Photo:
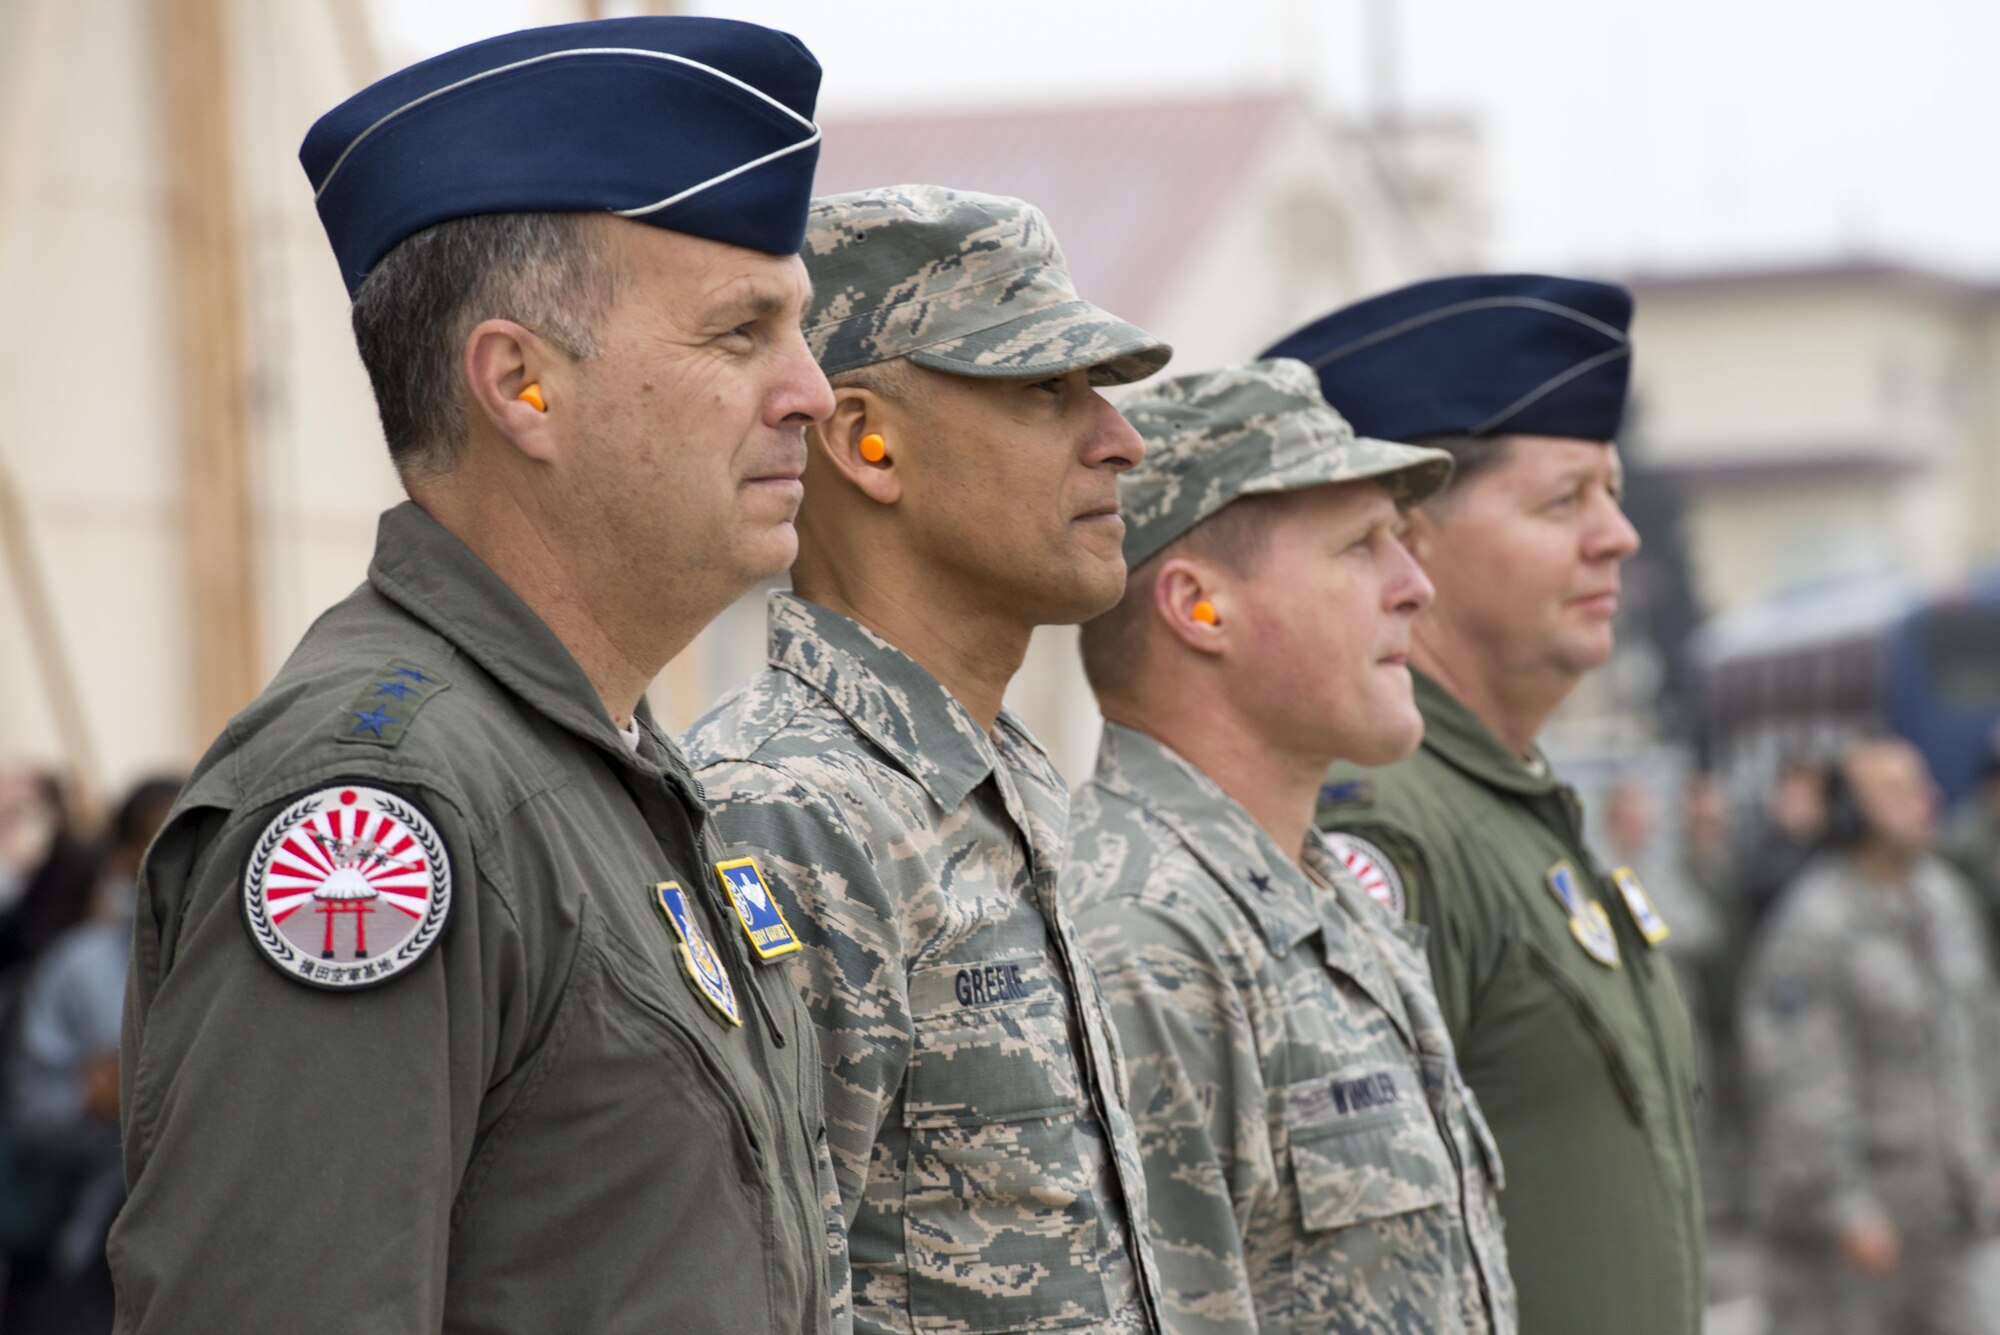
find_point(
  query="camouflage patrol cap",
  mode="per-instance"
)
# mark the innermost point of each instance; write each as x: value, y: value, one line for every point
x: 1250, y: 430
x: 959, y: 282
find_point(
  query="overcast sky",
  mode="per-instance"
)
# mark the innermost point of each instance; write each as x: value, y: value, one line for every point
x: 1617, y: 133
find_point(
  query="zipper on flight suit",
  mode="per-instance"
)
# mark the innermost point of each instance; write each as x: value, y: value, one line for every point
x: 1621, y: 1075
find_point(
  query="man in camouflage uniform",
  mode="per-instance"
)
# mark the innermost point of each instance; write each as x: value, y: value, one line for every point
x: 1313, y: 1160
x: 1868, y: 1045
x: 903, y: 825
x: 1566, y: 1019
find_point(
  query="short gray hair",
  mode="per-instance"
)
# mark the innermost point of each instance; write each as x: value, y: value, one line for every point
x: 548, y: 271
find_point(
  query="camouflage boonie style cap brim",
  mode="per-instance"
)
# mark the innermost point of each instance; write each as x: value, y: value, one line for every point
x: 1250, y: 430
x: 958, y: 282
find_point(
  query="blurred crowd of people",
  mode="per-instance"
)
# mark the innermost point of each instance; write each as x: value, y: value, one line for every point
x: 1833, y: 937
x: 66, y: 895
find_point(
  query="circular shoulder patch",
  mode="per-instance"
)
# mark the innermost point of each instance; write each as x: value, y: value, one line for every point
x: 1372, y: 868
x: 347, y: 887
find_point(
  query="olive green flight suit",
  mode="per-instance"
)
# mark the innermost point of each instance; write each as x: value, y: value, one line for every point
x: 540, y: 1126
x: 1583, y: 1065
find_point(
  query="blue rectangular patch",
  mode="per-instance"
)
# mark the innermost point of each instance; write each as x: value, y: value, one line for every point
x: 757, y: 909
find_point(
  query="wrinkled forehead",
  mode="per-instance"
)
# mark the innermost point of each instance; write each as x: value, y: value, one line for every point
x: 691, y: 273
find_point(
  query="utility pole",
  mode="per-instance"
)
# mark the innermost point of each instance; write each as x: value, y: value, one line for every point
x: 218, y: 504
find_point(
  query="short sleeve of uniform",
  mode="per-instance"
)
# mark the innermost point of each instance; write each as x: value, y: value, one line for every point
x: 293, y: 1153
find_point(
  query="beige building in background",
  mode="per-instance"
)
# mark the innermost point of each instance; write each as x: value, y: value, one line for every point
x: 1217, y: 223
x: 1824, y: 422
x: 91, y: 372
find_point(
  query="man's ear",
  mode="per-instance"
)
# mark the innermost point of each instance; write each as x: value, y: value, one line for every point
x: 503, y: 358
x: 1193, y: 604
x: 858, y: 415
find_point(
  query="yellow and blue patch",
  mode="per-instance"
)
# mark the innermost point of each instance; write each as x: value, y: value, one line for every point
x: 704, y: 967
x: 1639, y: 904
x: 1588, y: 922
x: 757, y: 909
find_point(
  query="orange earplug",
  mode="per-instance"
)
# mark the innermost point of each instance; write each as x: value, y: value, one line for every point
x: 1203, y: 611
x: 532, y: 396
x: 873, y: 448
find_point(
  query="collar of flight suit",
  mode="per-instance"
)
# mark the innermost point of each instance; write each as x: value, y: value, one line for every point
x: 1454, y: 733
x: 1227, y: 840
x: 889, y: 698
x: 424, y: 568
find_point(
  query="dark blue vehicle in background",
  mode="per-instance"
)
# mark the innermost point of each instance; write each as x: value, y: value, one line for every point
x: 1803, y: 669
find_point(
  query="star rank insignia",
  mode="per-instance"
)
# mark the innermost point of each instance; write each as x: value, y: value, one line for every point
x: 388, y: 704
x: 347, y: 887
x: 704, y: 967
x: 757, y: 909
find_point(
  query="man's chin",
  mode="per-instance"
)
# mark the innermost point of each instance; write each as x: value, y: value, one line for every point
x: 769, y: 551
x: 1584, y: 651
x: 1094, y: 586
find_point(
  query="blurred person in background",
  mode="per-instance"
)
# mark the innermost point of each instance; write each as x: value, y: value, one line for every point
x: 45, y: 865
x: 62, y: 1073
x: 1708, y: 869
x: 1870, y: 1069
x: 1972, y: 834
x: 1568, y: 1025
x: 1788, y: 833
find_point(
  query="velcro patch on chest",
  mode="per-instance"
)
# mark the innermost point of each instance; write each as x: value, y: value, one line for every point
x: 1347, y: 1093
x: 705, y: 970
x: 1645, y: 915
x: 770, y: 935
x: 985, y: 985
x: 1588, y: 922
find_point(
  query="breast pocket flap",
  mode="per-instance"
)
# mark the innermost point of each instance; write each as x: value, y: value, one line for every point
x: 1364, y: 1147
x: 992, y: 1044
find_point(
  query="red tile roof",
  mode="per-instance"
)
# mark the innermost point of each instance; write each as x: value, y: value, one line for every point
x: 1129, y: 188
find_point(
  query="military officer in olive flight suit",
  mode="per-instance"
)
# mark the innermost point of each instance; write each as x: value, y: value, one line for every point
x: 438, y: 1018
x: 1567, y: 1019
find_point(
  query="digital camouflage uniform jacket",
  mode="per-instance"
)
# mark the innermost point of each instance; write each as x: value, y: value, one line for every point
x: 542, y: 1125
x: 987, y: 1167
x: 1868, y: 1042
x: 1567, y: 1021
x: 1313, y: 1161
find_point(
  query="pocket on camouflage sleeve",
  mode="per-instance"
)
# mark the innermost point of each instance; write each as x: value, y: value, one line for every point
x: 999, y: 1214
x: 1375, y: 1183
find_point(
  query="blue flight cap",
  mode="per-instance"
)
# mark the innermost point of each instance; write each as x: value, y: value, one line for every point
x: 1477, y: 355
x: 697, y: 125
